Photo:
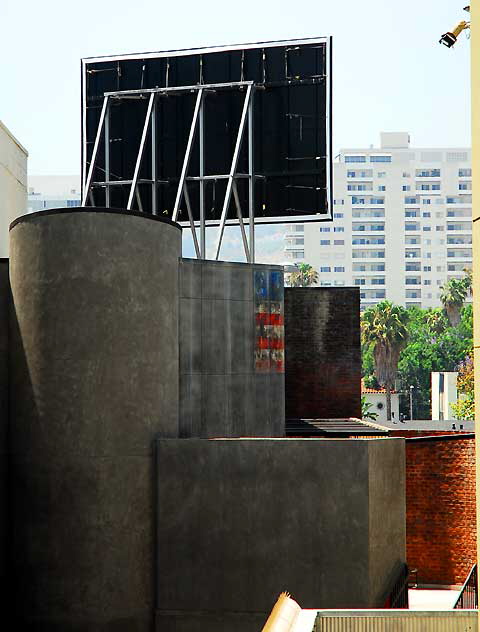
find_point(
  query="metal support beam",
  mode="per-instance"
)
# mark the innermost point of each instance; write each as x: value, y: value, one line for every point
x: 119, y: 94
x: 107, y: 156
x: 192, y: 223
x: 86, y: 191
x: 154, y: 158
x: 251, y: 181
x: 139, y: 200
x: 188, y: 153
x: 240, y: 221
x: 233, y: 168
x: 203, y: 252
x: 140, y: 152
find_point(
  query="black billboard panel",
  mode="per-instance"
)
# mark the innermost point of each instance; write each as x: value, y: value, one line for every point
x: 268, y: 105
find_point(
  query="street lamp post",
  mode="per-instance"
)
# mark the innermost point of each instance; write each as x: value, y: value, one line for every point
x: 411, y: 402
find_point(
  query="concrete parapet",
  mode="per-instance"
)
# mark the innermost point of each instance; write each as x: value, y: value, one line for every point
x: 241, y: 520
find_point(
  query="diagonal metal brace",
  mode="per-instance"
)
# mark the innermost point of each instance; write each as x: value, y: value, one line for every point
x: 88, y: 183
x: 233, y: 169
x: 188, y: 154
x: 140, y: 152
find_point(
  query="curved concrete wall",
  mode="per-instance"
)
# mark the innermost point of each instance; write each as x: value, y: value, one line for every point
x: 94, y: 377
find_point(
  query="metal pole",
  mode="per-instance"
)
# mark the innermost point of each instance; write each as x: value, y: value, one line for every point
x: 240, y: 221
x: 233, y: 168
x: 188, y: 153
x: 475, y: 109
x: 154, y: 159
x: 251, y: 180
x: 88, y: 183
x: 107, y: 156
x: 140, y: 152
x: 202, y: 181
x: 411, y: 403
x: 192, y: 223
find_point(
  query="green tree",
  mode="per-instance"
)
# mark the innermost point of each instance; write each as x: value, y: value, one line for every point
x: 305, y: 276
x: 453, y: 295
x: 432, y: 346
x: 385, y: 329
x: 367, y: 413
x: 465, y: 406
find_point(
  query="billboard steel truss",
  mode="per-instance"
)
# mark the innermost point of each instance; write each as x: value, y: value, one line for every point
x: 217, y: 141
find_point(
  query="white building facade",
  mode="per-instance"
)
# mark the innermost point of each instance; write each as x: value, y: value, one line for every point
x: 13, y: 183
x: 47, y: 192
x: 402, y: 223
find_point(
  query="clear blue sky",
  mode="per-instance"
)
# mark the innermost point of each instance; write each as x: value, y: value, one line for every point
x: 389, y: 71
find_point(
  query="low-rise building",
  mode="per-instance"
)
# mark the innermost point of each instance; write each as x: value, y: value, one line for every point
x: 13, y: 183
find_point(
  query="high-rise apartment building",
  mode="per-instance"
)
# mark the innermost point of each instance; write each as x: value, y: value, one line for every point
x: 402, y: 223
x: 47, y: 192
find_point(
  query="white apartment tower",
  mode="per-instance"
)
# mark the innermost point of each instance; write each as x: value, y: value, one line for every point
x: 402, y: 223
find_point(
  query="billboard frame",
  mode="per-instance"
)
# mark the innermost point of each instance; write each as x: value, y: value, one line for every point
x: 246, y: 125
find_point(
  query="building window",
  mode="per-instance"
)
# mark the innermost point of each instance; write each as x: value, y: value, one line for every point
x: 368, y: 241
x: 380, y: 159
x: 428, y: 173
x: 427, y: 268
x: 339, y: 202
x: 382, y: 174
x: 465, y: 186
x: 339, y: 229
x: 338, y: 242
x: 356, y: 158
x: 339, y: 269
x: 325, y: 269
x: 338, y: 216
x: 464, y: 173
x: 427, y: 282
x: 405, y: 174
x: 426, y: 201
x: 324, y: 242
x: 427, y: 229
x: 406, y: 187
x: 411, y: 200
x: 427, y: 214
x: 439, y: 229
x: 324, y: 229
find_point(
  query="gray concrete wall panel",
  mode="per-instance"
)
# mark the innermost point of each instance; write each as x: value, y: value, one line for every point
x: 217, y: 342
x: 387, y: 541
x: 268, y: 515
x: 94, y: 378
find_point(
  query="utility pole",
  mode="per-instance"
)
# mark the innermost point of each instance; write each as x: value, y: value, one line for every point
x: 475, y: 84
x: 449, y: 40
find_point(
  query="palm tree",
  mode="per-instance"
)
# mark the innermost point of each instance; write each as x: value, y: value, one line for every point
x: 454, y: 293
x: 436, y: 321
x: 304, y: 276
x: 384, y: 327
x: 468, y: 280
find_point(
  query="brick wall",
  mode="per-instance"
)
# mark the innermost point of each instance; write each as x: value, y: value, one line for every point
x: 441, y: 522
x: 322, y: 352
